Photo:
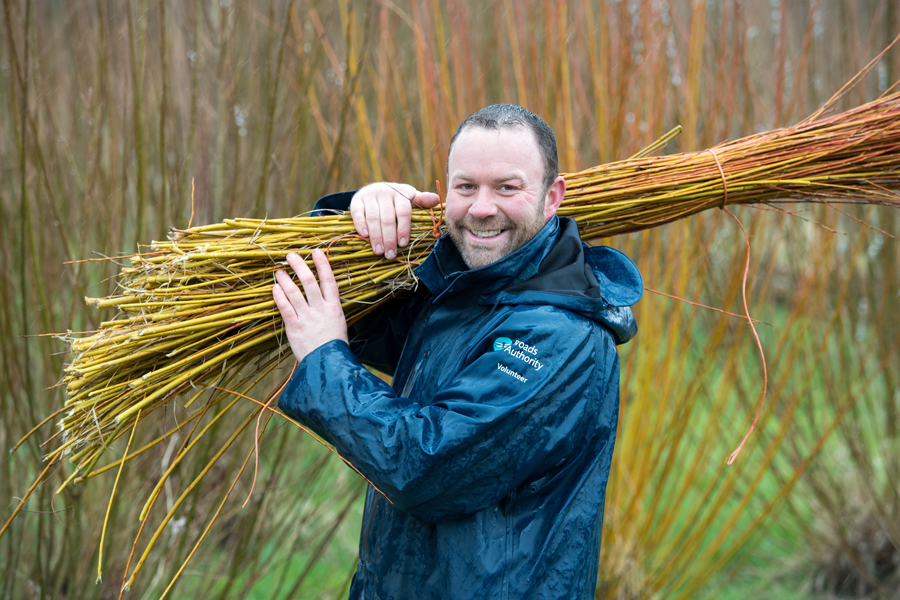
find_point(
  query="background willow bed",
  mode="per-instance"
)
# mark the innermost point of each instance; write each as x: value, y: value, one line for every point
x: 112, y: 108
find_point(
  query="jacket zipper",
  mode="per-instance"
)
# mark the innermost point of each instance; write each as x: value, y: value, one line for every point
x: 407, y: 387
x: 440, y: 268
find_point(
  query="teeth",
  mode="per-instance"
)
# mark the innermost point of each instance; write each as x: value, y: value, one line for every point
x: 487, y: 234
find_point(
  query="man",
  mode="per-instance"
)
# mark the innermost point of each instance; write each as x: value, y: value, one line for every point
x: 491, y: 450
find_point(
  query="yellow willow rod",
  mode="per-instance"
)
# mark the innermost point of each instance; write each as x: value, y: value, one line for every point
x: 77, y: 417
x: 99, y: 365
x: 336, y: 220
x: 243, y: 276
x: 105, y: 341
x: 81, y: 396
x: 90, y: 462
x: 637, y: 195
x: 586, y: 197
x: 206, y: 280
x: 184, y: 495
x: 183, y: 305
x: 216, y: 398
x: 114, y: 324
x: 311, y: 228
x: 152, y: 375
x: 210, y: 523
x: 125, y: 354
x: 217, y: 297
x: 704, y: 160
x: 264, y: 289
x: 219, y: 316
x: 330, y: 220
x: 288, y: 242
x: 185, y: 348
x: 119, y: 370
x: 101, y: 343
x: 212, y: 328
x: 97, y: 395
x: 186, y: 376
x: 176, y: 460
x: 140, y: 451
x: 139, y: 264
x: 93, y: 416
x: 178, y: 273
x: 110, y: 504
x: 282, y: 254
x: 185, y: 311
x: 699, y: 192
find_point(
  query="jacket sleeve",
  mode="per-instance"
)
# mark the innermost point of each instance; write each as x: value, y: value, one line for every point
x: 486, y: 429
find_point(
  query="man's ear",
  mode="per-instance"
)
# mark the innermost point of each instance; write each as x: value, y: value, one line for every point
x: 555, y: 196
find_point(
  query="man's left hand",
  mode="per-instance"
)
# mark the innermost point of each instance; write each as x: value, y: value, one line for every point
x: 312, y: 317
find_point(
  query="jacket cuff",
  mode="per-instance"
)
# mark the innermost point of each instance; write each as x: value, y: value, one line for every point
x: 337, y: 201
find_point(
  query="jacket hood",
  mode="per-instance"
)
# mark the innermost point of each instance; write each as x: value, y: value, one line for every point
x: 556, y: 268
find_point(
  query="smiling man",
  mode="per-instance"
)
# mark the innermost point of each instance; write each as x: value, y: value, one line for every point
x: 490, y: 453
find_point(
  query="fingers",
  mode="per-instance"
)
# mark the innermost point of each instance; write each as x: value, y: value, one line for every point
x: 358, y: 213
x: 314, y: 316
x: 382, y: 212
x: 327, y: 282
x: 288, y: 299
x: 310, y: 286
x: 403, y: 210
x: 373, y: 222
x: 314, y: 292
x: 388, y: 217
x: 284, y: 305
x: 426, y: 199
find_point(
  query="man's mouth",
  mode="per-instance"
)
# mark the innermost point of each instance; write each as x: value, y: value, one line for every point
x: 487, y: 234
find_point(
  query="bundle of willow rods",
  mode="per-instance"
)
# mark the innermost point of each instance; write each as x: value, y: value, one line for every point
x: 196, y: 312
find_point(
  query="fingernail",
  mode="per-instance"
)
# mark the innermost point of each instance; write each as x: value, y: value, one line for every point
x: 391, y: 254
x: 378, y: 249
x: 365, y: 232
x: 279, y: 272
x: 402, y: 241
x: 290, y: 254
x: 317, y: 252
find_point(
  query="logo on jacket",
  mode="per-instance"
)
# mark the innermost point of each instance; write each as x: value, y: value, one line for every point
x: 519, y: 349
x: 502, y: 343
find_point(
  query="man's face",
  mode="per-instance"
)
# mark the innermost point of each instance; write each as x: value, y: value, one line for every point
x: 495, y: 198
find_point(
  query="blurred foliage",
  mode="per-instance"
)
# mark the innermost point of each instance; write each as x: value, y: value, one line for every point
x: 109, y: 109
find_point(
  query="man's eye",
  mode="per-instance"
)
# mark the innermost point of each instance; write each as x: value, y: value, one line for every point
x: 466, y: 186
x: 508, y: 188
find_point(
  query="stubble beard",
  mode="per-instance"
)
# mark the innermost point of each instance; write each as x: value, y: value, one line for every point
x: 476, y: 256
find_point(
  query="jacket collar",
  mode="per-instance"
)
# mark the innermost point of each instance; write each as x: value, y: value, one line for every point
x: 444, y: 269
x: 554, y: 268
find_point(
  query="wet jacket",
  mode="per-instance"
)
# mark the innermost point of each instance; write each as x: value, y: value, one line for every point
x: 492, y: 448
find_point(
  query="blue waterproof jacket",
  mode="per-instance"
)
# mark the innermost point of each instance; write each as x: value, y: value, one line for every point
x: 492, y: 448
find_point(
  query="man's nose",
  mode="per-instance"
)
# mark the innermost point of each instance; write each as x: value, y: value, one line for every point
x: 484, y: 205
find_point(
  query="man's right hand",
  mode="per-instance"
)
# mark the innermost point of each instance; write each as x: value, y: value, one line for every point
x: 382, y: 212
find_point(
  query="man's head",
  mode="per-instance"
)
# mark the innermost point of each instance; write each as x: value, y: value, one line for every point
x: 503, y: 182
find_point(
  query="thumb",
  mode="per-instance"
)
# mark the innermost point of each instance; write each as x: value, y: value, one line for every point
x: 426, y: 199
